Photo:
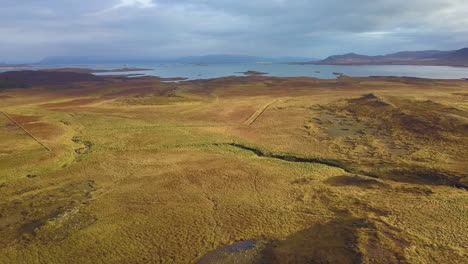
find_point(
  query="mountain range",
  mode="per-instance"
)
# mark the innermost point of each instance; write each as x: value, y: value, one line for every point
x: 206, y: 59
x: 426, y: 57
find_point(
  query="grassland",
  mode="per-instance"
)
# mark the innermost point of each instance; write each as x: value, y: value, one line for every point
x: 352, y: 170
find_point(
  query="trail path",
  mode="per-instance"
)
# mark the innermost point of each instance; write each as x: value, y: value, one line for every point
x: 258, y: 113
x: 27, y: 132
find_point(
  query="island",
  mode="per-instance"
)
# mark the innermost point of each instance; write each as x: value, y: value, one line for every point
x: 253, y: 73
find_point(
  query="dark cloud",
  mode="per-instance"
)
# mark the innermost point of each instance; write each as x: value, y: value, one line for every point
x: 32, y: 29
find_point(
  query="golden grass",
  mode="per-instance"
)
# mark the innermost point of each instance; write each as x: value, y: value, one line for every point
x: 137, y: 176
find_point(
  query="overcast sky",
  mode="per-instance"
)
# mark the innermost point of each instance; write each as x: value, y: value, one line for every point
x: 33, y: 29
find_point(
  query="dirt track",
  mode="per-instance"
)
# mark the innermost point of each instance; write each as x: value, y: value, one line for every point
x: 27, y: 132
x: 258, y: 113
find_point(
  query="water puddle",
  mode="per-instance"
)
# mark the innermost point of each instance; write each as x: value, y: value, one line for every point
x: 242, y: 252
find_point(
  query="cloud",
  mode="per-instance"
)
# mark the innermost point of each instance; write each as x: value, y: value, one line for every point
x: 125, y: 4
x: 33, y: 29
x: 134, y: 3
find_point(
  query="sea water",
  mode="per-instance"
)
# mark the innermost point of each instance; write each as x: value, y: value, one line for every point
x: 197, y: 71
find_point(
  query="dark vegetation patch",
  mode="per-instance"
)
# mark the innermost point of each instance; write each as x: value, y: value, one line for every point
x: 406, y: 80
x: 347, y: 240
x: 355, y: 180
x: 373, y: 133
x: 289, y: 158
x: 302, y: 181
x: 211, y: 85
x: 161, y: 95
x: 332, y: 242
x: 370, y: 100
x: 64, y: 224
x: 5, y: 84
x: 416, y: 190
x: 424, y: 175
x: 420, y: 118
x: 27, y: 79
x: 26, y: 216
x: 85, y: 143
x: 344, y: 240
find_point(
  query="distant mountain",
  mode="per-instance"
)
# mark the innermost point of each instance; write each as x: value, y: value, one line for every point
x: 418, y: 54
x: 426, y: 57
x: 207, y: 59
x: 217, y: 59
x: 68, y: 60
x: 3, y: 64
x: 461, y: 54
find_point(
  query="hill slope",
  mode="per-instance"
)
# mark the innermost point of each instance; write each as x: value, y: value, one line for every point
x: 426, y: 57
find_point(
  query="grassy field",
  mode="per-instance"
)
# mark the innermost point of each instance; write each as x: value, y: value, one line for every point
x: 303, y: 170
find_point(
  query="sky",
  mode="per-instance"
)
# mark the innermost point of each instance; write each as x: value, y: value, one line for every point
x: 33, y: 29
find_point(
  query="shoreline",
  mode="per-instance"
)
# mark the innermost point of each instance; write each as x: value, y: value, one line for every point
x: 320, y: 71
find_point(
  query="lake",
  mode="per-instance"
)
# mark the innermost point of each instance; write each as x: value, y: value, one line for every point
x: 193, y: 71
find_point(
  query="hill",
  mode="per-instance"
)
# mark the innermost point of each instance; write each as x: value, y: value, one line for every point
x: 426, y: 57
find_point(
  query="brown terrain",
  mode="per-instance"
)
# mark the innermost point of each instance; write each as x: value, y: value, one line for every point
x: 250, y: 169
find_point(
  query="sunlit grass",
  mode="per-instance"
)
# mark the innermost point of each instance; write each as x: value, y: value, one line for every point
x: 167, y: 179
